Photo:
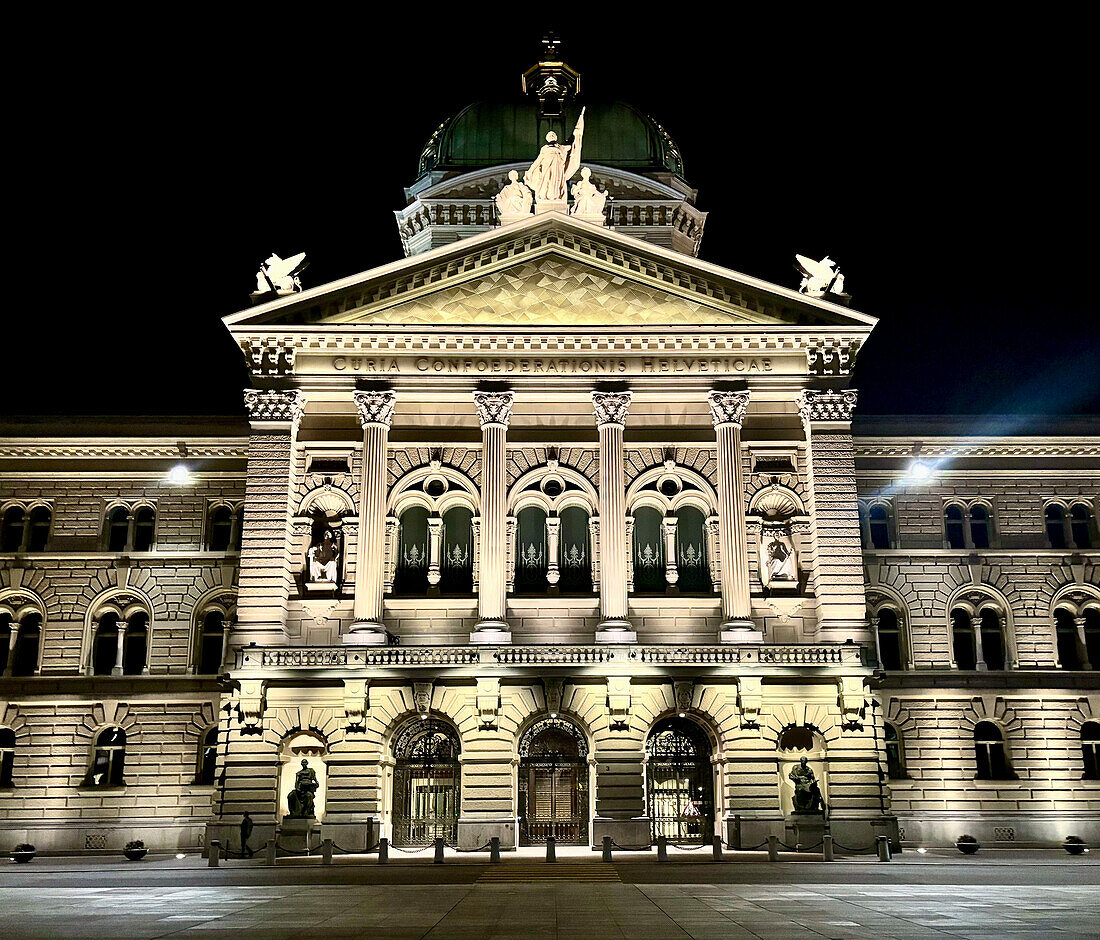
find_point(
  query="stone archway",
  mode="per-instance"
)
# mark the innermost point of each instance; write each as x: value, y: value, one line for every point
x: 426, y: 783
x: 680, y: 781
x: 553, y: 783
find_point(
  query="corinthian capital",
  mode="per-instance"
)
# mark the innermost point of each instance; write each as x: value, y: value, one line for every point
x: 493, y: 407
x: 827, y: 406
x: 611, y: 407
x: 728, y: 407
x: 273, y: 405
x: 375, y: 407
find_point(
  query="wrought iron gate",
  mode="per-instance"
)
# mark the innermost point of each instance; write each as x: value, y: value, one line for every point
x: 426, y: 784
x: 679, y: 782
x: 553, y: 783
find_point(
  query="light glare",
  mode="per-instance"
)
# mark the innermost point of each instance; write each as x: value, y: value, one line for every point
x: 179, y: 475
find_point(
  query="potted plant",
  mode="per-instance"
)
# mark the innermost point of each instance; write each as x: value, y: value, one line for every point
x: 967, y: 844
x: 1075, y: 846
x: 135, y: 850
x: 23, y: 852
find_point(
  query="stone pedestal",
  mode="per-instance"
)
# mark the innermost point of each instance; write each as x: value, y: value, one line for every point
x: 352, y: 836
x: 805, y: 829
x: 298, y: 835
x: 551, y: 205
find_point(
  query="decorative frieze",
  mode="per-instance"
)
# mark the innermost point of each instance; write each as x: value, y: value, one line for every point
x: 817, y: 405
x: 274, y: 404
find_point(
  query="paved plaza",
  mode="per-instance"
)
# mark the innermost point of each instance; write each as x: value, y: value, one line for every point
x: 1043, y: 894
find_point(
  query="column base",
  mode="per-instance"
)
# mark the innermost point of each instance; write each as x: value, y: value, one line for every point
x: 368, y: 633
x: 616, y: 631
x: 740, y: 631
x: 491, y: 633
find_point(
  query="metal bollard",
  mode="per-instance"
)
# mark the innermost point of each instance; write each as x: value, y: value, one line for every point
x: 773, y: 849
x: 662, y: 848
x: 717, y: 847
x: 438, y: 860
x: 883, y: 848
x: 607, y: 848
x: 736, y: 840
x: 494, y: 850
x: 270, y: 850
x: 383, y: 851
x: 827, y: 848
x: 215, y: 854
x: 326, y: 851
x: 551, y: 849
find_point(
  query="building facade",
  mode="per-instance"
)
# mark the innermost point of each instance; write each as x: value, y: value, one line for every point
x: 548, y: 528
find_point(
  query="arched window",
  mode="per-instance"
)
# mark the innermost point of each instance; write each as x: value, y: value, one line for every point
x: 878, y: 524
x: 411, y: 571
x: 7, y: 756
x: 890, y: 645
x: 105, y: 644
x: 135, y: 645
x: 989, y: 749
x: 1090, y: 749
x: 208, y: 758
x: 1065, y: 631
x: 145, y: 521
x: 895, y: 757
x: 980, y: 523
x: 208, y: 661
x: 118, y: 529
x: 219, y: 535
x: 38, y: 533
x: 649, y: 551
x: 1055, y: 517
x: 691, y: 552
x: 575, y: 552
x: 24, y: 660
x: 532, y: 556
x: 1092, y: 636
x: 108, y: 759
x: 993, y: 644
x: 1080, y: 523
x: 962, y: 638
x: 11, y: 534
x: 954, y: 527
x: 135, y: 648
x: 456, y: 574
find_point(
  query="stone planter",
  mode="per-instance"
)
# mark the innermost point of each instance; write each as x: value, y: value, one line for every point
x: 135, y: 855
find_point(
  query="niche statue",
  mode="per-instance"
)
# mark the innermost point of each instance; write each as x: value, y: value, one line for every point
x: 807, y: 794
x: 324, y: 557
x: 300, y: 800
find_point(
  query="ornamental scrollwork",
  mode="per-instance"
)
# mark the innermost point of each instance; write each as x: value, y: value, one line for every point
x: 494, y: 407
x: 273, y: 405
x: 375, y: 407
x: 816, y: 405
x: 728, y: 407
x: 611, y: 407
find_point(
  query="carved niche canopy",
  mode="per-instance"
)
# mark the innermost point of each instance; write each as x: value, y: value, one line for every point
x: 375, y: 407
x: 816, y: 405
x: 611, y: 407
x: 494, y: 407
x: 728, y: 407
x: 273, y: 405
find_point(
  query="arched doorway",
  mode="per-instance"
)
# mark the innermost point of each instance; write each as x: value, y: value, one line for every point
x: 426, y: 783
x: 553, y: 783
x: 680, y: 781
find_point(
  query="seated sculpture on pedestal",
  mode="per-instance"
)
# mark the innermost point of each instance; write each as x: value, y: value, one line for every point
x: 300, y: 800
x: 324, y: 558
x: 807, y: 795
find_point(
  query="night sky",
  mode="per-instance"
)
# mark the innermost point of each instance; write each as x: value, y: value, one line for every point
x: 943, y: 164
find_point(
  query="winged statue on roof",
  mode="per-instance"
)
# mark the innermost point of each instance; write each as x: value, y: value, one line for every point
x: 819, y: 277
x: 279, y: 276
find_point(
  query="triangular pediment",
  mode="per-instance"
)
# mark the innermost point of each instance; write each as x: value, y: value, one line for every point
x: 549, y: 272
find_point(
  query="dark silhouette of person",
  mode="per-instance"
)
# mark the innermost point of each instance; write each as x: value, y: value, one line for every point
x: 246, y: 834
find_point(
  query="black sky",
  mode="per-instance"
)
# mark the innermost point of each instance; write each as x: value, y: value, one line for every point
x: 945, y: 164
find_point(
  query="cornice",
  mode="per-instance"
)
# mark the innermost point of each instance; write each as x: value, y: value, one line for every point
x: 902, y: 447
x: 38, y: 448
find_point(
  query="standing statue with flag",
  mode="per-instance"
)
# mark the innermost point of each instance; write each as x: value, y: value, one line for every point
x: 555, y: 166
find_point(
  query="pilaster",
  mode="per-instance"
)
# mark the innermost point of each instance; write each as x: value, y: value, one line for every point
x: 494, y: 411
x: 610, y: 410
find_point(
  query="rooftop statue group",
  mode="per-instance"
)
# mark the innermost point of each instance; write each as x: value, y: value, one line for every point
x: 544, y: 186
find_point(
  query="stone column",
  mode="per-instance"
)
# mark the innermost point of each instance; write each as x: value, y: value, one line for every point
x: 116, y: 670
x: 376, y: 415
x: 836, y: 577
x: 1082, y: 642
x: 267, y: 538
x: 553, y: 538
x: 227, y: 629
x: 494, y: 411
x: 714, y: 556
x: 727, y: 409
x: 435, y: 546
x: 610, y: 409
x: 672, y: 571
x: 13, y: 629
x: 979, y: 650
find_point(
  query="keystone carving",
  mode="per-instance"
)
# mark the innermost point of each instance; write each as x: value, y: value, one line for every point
x: 488, y: 703
x: 356, y: 703
x: 618, y: 701
x: 273, y: 405
x: 728, y: 407
x: 851, y: 700
x: 251, y: 704
x: 749, y: 700
x: 375, y: 407
x: 611, y: 407
x: 816, y: 405
x: 553, y: 690
x: 422, y: 697
x: 685, y: 690
x: 494, y: 407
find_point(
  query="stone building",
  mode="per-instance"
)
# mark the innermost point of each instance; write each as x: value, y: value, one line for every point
x: 549, y: 528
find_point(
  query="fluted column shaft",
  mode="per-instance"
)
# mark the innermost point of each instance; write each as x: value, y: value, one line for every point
x: 376, y: 415
x: 728, y: 411
x: 494, y: 412
x: 610, y: 409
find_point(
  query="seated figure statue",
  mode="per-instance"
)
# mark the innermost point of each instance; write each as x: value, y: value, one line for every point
x: 324, y: 558
x: 300, y: 800
x: 807, y: 794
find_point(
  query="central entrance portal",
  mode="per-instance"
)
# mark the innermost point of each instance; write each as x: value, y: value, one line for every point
x: 680, y: 782
x: 553, y: 783
x: 426, y: 783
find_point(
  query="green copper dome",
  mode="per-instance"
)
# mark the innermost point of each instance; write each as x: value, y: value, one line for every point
x: 489, y: 133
